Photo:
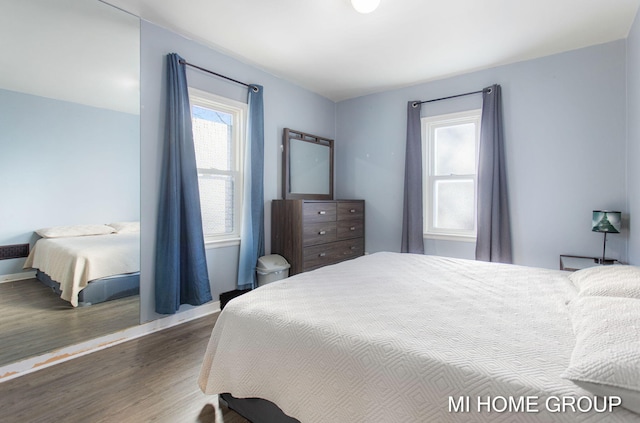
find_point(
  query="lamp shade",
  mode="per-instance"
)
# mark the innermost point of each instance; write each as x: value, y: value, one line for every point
x: 365, y: 6
x: 606, y: 221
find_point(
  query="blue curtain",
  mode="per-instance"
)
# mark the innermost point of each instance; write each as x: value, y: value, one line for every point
x: 181, y: 274
x: 412, y: 217
x: 252, y: 239
x: 493, y: 242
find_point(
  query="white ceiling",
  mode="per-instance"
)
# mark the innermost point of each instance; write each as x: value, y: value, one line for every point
x: 80, y: 51
x: 88, y: 52
x: 329, y: 48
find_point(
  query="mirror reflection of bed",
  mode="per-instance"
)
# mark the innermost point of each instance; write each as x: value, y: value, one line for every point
x: 69, y: 136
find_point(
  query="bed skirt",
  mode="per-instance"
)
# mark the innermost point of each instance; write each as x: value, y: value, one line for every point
x: 100, y: 290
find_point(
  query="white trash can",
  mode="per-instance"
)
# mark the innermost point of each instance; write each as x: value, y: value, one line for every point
x: 272, y: 268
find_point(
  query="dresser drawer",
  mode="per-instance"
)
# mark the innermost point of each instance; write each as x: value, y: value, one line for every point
x: 319, y: 233
x: 318, y: 212
x: 350, y: 229
x: 349, y: 249
x: 333, y: 252
x: 350, y: 210
x: 318, y: 256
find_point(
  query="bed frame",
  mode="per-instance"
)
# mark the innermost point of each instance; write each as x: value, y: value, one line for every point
x: 257, y: 410
x: 100, y: 290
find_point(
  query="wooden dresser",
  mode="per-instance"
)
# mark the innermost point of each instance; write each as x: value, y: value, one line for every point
x: 314, y: 233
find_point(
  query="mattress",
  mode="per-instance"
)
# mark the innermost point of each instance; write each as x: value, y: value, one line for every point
x: 74, y: 261
x: 394, y: 337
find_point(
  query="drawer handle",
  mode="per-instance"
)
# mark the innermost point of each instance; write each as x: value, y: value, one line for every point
x: 353, y: 228
x: 322, y: 233
x: 322, y: 212
x: 352, y: 211
x: 322, y: 254
x: 353, y: 247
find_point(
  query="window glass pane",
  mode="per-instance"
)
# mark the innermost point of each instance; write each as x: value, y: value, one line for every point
x: 454, y: 150
x: 212, y: 138
x: 454, y: 204
x: 216, y: 203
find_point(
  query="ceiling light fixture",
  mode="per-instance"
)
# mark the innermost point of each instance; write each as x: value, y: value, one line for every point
x: 365, y: 6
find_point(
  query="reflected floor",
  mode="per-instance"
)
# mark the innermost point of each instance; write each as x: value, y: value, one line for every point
x: 34, y: 320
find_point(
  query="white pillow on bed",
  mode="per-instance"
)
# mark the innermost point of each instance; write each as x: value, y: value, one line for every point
x: 608, y: 281
x: 606, y: 357
x: 125, y: 227
x: 74, y: 230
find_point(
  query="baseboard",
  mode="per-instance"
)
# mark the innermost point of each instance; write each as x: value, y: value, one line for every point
x: 18, y: 276
x: 32, y: 364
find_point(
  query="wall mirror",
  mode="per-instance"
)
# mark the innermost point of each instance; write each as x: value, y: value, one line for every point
x: 69, y: 155
x: 307, y: 166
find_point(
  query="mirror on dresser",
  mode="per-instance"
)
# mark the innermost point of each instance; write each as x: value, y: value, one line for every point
x: 69, y: 155
x: 307, y: 166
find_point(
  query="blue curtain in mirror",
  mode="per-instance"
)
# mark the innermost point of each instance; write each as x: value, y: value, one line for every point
x: 181, y: 274
x: 252, y: 239
x: 412, y: 219
x: 493, y: 242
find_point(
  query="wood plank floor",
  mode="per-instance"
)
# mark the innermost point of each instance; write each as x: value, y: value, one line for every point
x: 153, y: 378
x: 34, y: 320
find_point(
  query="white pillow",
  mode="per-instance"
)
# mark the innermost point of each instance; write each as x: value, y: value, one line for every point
x: 606, y: 357
x: 74, y: 230
x: 608, y: 281
x: 125, y: 227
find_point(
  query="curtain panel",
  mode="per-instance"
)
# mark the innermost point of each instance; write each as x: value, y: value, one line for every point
x: 493, y: 241
x: 252, y: 238
x: 412, y: 220
x: 181, y: 275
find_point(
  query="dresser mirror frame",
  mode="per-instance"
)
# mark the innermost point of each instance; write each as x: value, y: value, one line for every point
x: 289, y: 138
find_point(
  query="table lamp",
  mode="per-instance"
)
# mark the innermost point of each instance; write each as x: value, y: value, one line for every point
x: 606, y: 221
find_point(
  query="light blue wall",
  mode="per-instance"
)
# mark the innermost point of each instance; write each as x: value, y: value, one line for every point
x: 565, y: 148
x: 633, y: 135
x: 63, y: 163
x: 285, y: 105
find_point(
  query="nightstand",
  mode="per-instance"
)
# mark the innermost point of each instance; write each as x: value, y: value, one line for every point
x: 573, y: 263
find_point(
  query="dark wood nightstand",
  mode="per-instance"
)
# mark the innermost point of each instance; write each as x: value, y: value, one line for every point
x: 573, y: 263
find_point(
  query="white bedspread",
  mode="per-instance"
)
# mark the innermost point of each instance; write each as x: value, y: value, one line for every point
x: 75, y: 261
x: 390, y: 337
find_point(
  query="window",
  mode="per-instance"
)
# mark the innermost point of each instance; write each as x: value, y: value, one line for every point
x: 450, y: 146
x: 218, y: 134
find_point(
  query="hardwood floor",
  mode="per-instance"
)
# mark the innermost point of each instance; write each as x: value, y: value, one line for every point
x: 153, y: 378
x: 34, y: 320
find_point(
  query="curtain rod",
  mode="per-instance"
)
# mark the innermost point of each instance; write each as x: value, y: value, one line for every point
x: 415, y: 103
x: 253, y: 87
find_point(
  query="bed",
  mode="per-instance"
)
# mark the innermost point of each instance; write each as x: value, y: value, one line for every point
x: 394, y: 337
x: 90, y: 269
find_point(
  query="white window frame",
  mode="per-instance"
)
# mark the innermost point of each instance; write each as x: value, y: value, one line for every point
x: 238, y: 133
x: 429, y: 126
